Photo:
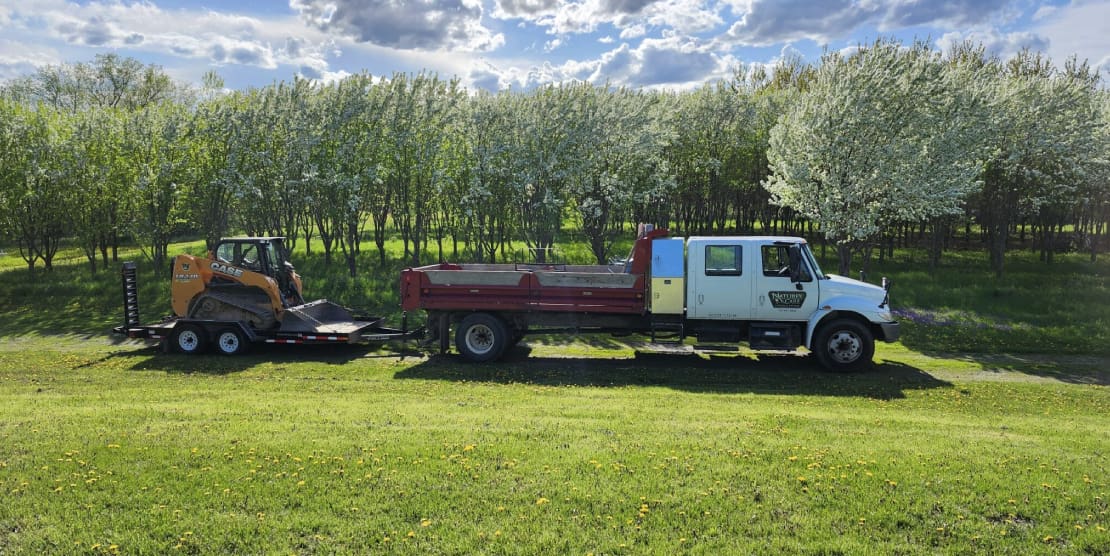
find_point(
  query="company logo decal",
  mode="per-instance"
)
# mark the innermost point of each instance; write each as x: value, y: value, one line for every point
x: 225, y: 269
x: 787, y: 300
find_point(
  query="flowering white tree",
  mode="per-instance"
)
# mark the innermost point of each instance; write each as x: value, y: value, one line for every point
x: 883, y: 135
x: 1045, y: 148
x: 618, y: 142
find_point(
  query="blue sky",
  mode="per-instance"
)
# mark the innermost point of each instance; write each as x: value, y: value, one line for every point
x: 494, y: 44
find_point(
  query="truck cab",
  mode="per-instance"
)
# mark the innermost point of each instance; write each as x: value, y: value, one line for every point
x: 772, y: 291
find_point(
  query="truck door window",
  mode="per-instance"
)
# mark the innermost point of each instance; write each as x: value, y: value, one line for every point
x: 722, y: 260
x: 776, y: 262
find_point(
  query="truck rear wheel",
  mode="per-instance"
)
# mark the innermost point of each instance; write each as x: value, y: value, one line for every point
x: 844, y: 345
x: 481, y: 337
x: 188, y: 339
x: 231, y: 342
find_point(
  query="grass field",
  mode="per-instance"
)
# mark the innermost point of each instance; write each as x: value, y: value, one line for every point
x: 572, y: 445
x: 108, y: 449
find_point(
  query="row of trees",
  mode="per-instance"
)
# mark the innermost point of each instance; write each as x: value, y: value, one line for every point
x: 860, y: 148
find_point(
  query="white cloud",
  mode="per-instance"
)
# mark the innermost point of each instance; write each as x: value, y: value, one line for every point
x: 630, y: 16
x: 1078, y: 28
x: 17, y: 59
x: 633, y: 31
x: 1003, y: 45
x: 1044, y: 12
x: 425, y: 25
x: 199, y: 34
x: 912, y: 13
x: 767, y: 22
x: 672, y: 62
x: 684, y: 16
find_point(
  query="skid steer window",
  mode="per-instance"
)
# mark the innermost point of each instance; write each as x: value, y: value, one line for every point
x: 249, y: 258
x: 226, y: 253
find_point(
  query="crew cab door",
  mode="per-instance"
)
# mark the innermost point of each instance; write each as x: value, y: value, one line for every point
x: 778, y: 297
x: 718, y: 281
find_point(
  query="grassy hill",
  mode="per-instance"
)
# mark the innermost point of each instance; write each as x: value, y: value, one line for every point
x: 983, y: 431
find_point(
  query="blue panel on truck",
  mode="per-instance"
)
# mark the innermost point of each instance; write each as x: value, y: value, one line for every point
x: 667, y: 260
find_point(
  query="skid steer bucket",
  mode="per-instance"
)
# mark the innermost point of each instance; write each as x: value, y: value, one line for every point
x: 323, y: 317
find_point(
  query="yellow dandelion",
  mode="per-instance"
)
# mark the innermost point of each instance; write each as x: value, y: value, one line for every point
x: 411, y: 534
x: 425, y: 522
x: 541, y: 501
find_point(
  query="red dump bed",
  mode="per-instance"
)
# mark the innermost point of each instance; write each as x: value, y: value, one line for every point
x: 532, y: 287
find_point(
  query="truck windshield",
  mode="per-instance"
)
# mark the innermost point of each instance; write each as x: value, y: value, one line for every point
x: 812, y: 262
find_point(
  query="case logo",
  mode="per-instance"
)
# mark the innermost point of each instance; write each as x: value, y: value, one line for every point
x: 787, y: 300
x: 225, y: 269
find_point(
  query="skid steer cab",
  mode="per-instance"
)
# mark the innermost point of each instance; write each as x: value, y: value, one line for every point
x: 243, y: 278
x: 245, y: 290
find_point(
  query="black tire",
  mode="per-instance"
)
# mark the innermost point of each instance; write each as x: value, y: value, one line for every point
x: 844, y: 345
x: 188, y: 339
x: 231, y: 341
x: 481, y: 337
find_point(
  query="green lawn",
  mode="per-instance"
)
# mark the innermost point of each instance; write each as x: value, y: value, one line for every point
x: 984, y: 431
x: 120, y: 448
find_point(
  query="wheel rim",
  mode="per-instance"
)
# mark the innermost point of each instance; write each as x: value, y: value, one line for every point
x: 845, y: 346
x: 188, y: 340
x: 229, y: 342
x: 479, y: 339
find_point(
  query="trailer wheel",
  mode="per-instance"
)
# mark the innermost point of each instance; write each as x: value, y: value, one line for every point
x: 844, y: 345
x: 188, y: 339
x: 231, y: 341
x: 481, y: 337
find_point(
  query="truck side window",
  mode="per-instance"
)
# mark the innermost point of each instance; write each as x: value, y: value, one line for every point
x: 722, y: 260
x: 776, y: 262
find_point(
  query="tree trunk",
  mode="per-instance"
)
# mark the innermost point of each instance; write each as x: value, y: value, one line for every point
x: 844, y: 258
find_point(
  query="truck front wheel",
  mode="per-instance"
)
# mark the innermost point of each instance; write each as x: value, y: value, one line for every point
x: 844, y: 345
x: 481, y: 337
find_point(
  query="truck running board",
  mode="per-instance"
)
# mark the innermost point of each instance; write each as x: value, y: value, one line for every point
x: 673, y: 331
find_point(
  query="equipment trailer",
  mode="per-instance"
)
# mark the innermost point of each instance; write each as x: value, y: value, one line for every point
x: 767, y: 291
x: 245, y: 292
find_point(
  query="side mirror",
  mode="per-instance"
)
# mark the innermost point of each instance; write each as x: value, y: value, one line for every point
x: 794, y: 252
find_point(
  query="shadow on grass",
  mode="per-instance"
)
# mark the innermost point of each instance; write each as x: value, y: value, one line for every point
x: 768, y: 374
x: 1071, y: 369
x: 152, y: 358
